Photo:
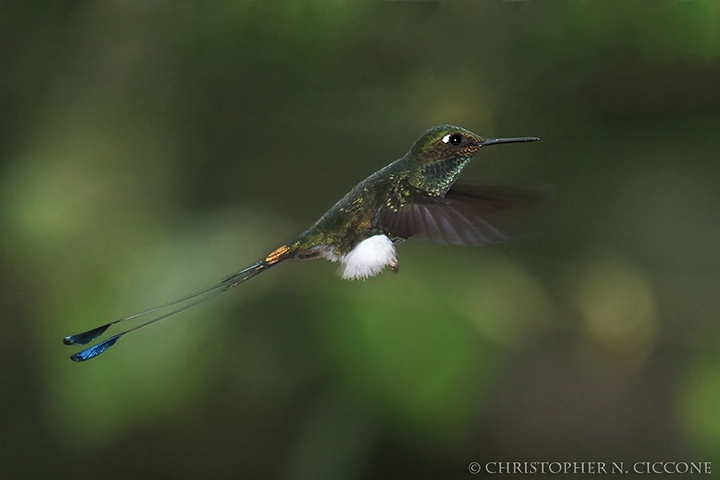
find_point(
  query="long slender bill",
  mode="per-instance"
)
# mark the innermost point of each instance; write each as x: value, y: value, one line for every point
x: 498, y: 141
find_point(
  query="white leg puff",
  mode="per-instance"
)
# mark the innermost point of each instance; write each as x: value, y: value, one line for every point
x: 369, y: 257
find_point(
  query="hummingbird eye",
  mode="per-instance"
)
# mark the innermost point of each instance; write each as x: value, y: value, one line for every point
x: 453, y: 139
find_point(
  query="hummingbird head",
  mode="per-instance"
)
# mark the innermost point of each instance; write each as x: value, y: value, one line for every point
x: 438, y: 157
x: 448, y: 142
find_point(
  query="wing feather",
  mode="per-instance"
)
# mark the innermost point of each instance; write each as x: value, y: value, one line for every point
x: 469, y: 214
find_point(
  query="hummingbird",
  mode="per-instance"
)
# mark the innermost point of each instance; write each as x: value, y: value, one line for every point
x: 415, y: 196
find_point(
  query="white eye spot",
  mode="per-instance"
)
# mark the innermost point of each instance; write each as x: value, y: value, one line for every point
x: 454, y: 139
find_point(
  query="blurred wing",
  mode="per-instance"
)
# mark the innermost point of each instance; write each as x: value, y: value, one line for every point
x: 469, y: 214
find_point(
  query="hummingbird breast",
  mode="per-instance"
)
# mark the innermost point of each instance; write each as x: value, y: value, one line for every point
x: 436, y: 178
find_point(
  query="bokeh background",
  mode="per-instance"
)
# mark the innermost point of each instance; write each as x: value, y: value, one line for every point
x: 148, y: 149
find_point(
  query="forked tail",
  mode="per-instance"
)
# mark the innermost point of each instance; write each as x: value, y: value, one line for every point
x: 185, y: 302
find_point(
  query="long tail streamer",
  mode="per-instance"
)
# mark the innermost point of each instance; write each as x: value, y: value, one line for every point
x: 197, y: 298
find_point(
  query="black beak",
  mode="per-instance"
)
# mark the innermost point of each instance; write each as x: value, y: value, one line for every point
x: 496, y: 141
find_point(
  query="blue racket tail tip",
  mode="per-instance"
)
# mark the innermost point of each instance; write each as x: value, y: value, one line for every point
x: 95, y: 350
x: 86, y: 337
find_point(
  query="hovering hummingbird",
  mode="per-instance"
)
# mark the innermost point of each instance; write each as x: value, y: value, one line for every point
x: 415, y: 196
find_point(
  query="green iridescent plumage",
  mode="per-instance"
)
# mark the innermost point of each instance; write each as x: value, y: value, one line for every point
x: 429, y: 169
x: 415, y: 196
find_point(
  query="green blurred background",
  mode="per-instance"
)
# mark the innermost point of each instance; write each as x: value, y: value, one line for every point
x: 148, y: 149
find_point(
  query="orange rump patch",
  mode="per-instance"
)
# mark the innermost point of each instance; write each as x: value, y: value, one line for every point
x: 277, y: 255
